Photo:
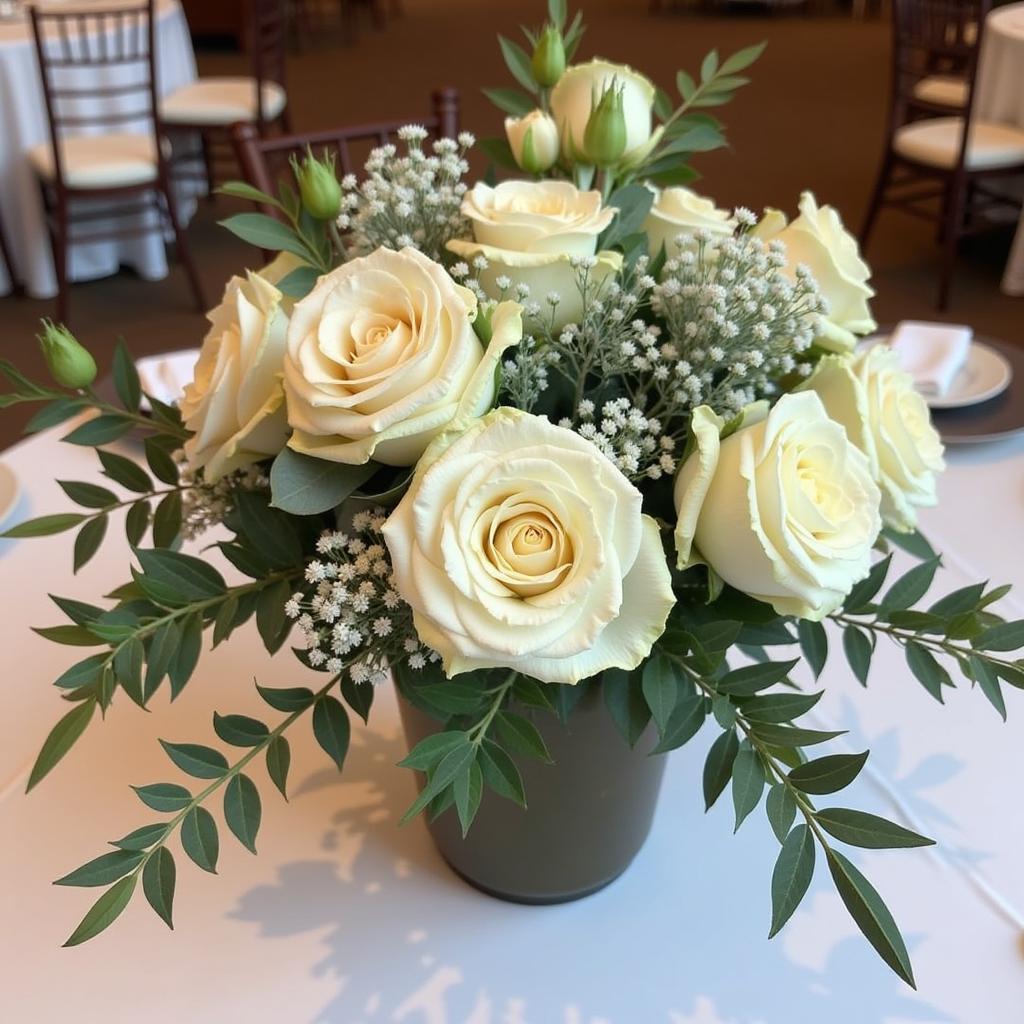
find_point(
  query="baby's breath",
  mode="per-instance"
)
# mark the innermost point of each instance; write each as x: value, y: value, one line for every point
x: 205, y: 505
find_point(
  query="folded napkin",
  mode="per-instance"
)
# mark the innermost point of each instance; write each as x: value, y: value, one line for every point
x: 931, y: 353
x: 164, y: 377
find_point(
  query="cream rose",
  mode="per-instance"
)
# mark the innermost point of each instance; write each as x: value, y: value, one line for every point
x: 888, y: 420
x: 678, y: 211
x: 784, y: 509
x: 533, y: 140
x: 519, y: 545
x: 582, y: 85
x: 234, y: 405
x: 530, y: 232
x: 382, y: 356
x: 818, y: 240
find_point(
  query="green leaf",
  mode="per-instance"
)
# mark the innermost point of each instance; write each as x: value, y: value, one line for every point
x: 45, y: 526
x: 304, y: 486
x: 510, y: 100
x: 780, y: 807
x: 724, y: 711
x: 60, y: 740
x: 911, y: 587
x: 1006, y: 636
x: 660, y: 688
x: 747, y: 783
x: 271, y: 621
x: 136, y: 522
x: 199, y: 838
x: 104, y: 911
x: 83, y: 673
x: 858, y: 650
x: 468, y: 789
x: 103, y: 870
x: 501, y: 773
x: 862, y: 593
x: 358, y: 696
x: 160, y: 462
x: 927, y: 670
x: 813, y: 643
x: 54, y: 413
x: 625, y: 703
x: 142, y: 838
x: 196, y: 760
x: 269, y: 530
x: 71, y: 636
x: 128, y: 669
x: 99, y: 430
x: 163, y: 649
x: 331, y: 728
x: 718, y: 766
x: 429, y: 751
x: 557, y: 13
x: 966, y: 599
x: 442, y: 776
x: 686, y: 85
x: 742, y: 59
x: 224, y: 623
x: 518, y: 63
x: 498, y: 151
x: 633, y: 203
x: 871, y: 914
x: 520, y: 735
x: 914, y: 543
x: 709, y: 66
x: 185, y: 578
x: 780, y: 707
x: 164, y: 796
x: 294, y: 698
x: 167, y: 520
x: 265, y: 233
x: 988, y: 683
x: 89, y: 539
x: 791, y: 736
x: 243, y: 190
x: 828, y: 774
x: 126, y: 379
x: 88, y: 495
x: 125, y: 472
x: 746, y: 681
x: 792, y: 875
x: 868, y: 830
x: 184, y: 664
x: 683, y: 724
x: 533, y: 694
x: 279, y: 759
x: 239, y: 730
x: 158, y: 883
x: 243, y: 810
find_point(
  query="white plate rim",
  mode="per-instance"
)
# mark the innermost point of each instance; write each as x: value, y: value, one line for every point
x: 10, y: 492
x: 987, y: 352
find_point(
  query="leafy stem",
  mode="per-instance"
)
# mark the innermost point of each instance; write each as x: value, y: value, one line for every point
x: 479, y: 731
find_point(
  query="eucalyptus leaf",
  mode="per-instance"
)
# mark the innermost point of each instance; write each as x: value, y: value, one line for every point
x: 104, y: 911
x: 243, y: 810
x: 305, y: 486
x: 331, y: 728
x: 792, y: 875
x: 158, y: 878
x: 858, y: 828
x: 718, y: 766
x: 199, y: 838
x: 827, y: 774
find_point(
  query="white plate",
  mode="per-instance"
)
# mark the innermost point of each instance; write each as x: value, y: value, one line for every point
x: 985, y: 374
x: 10, y: 492
x: 165, y: 376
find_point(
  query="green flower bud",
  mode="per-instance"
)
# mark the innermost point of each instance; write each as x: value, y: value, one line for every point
x: 70, y: 364
x: 604, y: 138
x: 549, y: 57
x: 318, y: 186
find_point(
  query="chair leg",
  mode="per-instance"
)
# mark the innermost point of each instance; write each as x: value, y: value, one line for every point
x: 59, y: 240
x: 7, y: 261
x: 954, y: 213
x: 181, y: 243
x: 208, y: 164
x: 877, y: 199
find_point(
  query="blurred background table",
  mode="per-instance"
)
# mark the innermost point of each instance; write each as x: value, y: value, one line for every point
x: 23, y: 124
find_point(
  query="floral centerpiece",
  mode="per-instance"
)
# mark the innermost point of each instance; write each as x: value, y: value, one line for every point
x: 579, y: 435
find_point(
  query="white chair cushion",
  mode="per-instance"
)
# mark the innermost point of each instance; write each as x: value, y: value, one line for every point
x: 936, y: 142
x: 99, y: 161
x: 942, y: 90
x: 220, y: 101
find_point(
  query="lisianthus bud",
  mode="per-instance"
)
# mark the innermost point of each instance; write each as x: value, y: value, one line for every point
x: 604, y: 138
x: 318, y: 186
x: 549, y: 57
x: 70, y: 364
x: 533, y: 140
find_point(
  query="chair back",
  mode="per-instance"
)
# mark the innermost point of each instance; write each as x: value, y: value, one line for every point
x: 268, y: 41
x: 98, y: 69
x: 264, y: 161
x: 934, y: 37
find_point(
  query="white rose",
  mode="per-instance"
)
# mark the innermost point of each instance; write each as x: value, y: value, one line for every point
x: 582, y: 85
x: 888, y: 420
x: 784, y: 509
x: 818, y: 240
x: 530, y: 232
x: 519, y: 545
x: 235, y: 403
x: 382, y: 356
x: 533, y: 140
x: 678, y: 211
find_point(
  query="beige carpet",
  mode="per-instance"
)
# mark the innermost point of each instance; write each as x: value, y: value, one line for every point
x: 813, y: 118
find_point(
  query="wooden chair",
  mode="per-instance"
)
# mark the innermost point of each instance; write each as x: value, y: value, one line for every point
x: 117, y: 173
x: 7, y: 260
x: 209, y: 107
x: 264, y: 161
x: 930, y: 152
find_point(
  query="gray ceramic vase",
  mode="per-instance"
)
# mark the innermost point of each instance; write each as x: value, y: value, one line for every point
x: 588, y: 816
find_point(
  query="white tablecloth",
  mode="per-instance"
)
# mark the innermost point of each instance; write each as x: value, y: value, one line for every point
x: 999, y: 97
x: 23, y: 124
x: 346, y: 917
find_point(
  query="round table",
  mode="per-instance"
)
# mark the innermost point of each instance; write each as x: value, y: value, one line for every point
x: 999, y: 97
x: 23, y: 124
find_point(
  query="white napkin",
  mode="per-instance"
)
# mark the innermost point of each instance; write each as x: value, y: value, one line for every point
x: 165, y: 377
x: 931, y: 353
